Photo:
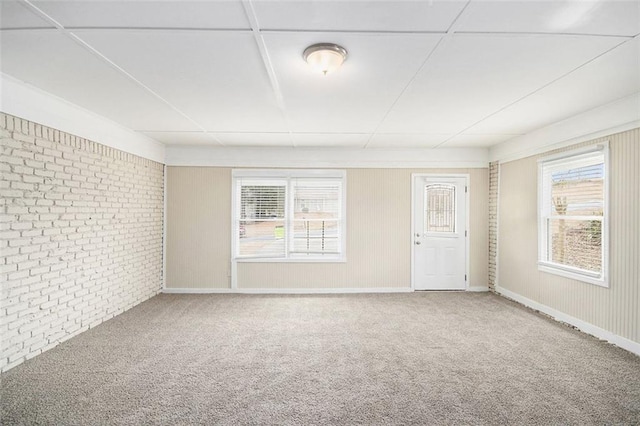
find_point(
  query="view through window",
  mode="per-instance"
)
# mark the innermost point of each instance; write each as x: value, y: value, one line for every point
x: 572, y: 213
x: 289, y: 217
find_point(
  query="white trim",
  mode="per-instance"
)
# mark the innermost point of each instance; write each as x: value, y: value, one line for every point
x: 30, y: 103
x: 583, y: 326
x: 467, y: 234
x: 313, y: 258
x: 207, y: 156
x: 478, y: 288
x: 467, y: 238
x: 350, y: 290
x: 413, y: 230
x: 597, y: 147
x: 567, y: 271
x: 190, y: 290
x: 234, y: 208
x: 164, y: 230
x: 615, y: 117
x: 287, y: 175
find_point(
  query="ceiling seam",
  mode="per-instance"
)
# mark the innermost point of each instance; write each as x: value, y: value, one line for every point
x: 28, y: 29
x: 440, y: 42
x: 287, y: 31
x: 393, y: 104
x: 356, y: 32
x: 535, y: 91
x: 167, y: 29
x: 539, y: 33
x: 95, y: 52
x: 266, y: 59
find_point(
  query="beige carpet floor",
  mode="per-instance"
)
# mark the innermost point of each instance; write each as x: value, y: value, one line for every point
x: 416, y: 358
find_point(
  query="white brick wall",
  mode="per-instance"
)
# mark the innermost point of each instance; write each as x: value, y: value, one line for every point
x: 494, y: 176
x: 80, y: 236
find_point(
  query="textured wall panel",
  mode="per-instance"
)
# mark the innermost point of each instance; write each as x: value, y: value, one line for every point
x: 615, y: 308
x: 378, y: 233
x: 198, y: 227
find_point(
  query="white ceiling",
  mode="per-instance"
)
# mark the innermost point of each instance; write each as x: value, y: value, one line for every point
x: 420, y: 74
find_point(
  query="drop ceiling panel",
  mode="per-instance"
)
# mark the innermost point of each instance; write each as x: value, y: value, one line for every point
x: 183, y: 138
x: 471, y: 77
x: 322, y: 15
x: 558, y: 16
x: 405, y: 140
x: 320, y: 140
x: 216, y: 78
x: 354, y: 98
x: 147, y: 14
x: 51, y: 61
x: 255, y: 139
x: 14, y: 14
x: 608, y: 78
x: 476, y: 140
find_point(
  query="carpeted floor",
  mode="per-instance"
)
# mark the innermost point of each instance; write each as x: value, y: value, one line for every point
x: 416, y: 358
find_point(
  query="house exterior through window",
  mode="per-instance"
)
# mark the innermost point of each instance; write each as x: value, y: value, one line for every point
x: 573, y: 222
x: 289, y: 215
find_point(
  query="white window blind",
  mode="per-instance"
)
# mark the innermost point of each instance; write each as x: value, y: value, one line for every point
x: 289, y: 217
x: 316, y: 216
x: 572, y: 214
x: 261, y: 225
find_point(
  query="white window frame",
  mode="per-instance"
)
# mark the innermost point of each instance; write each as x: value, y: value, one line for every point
x: 288, y: 175
x: 602, y: 278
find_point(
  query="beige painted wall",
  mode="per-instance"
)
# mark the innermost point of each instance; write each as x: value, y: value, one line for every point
x: 198, y: 227
x: 615, y: 309
x: 378, y: 231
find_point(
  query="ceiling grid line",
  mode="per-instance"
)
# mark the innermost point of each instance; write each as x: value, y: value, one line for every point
x: 266, y: 59
x: 535, y: 91
x: 443, y: 40
x: 435, y: 74
x: 355, y: 32
x: 95, y: 52
x: 324, y: 31
x: 538, y: 33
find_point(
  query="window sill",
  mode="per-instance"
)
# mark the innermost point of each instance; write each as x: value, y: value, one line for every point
x: 290, y: 260
x: 569, y: 272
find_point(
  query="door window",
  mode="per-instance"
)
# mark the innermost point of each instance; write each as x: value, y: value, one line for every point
x: 440, y: 208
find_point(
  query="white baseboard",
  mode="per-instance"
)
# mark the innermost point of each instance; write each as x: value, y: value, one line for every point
x: 192, y: 290
x: 285, y: 290
x: 299, y: 290
x: 584, y: 326
x: 478, y: 288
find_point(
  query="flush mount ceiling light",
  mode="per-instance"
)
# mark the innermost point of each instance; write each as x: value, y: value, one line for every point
x: 325, y: 57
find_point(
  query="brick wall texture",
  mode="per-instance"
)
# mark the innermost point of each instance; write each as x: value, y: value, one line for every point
x: 494, y: 176
x: 81, y: 231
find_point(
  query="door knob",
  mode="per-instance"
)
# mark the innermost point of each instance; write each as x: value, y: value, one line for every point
x: 417, y: 243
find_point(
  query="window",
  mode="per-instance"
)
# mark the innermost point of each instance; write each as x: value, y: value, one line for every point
x: 572, y: 216
x: 440, y: 208
x: 284, y: 215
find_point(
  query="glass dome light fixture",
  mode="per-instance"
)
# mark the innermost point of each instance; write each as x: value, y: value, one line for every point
x: 325, y: 57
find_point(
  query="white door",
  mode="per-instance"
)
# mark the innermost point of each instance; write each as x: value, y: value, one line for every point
x: 439, y: 233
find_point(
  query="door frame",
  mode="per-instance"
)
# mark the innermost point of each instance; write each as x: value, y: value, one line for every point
x: 416, y: 176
